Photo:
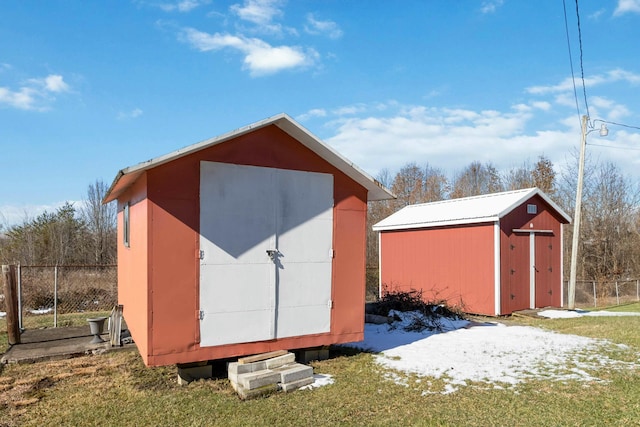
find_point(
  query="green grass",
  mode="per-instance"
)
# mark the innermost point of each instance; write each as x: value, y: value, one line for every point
x: 117, y: 389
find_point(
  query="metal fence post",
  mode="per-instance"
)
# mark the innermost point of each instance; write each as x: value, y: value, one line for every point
x: 637, y: 289
x: 55, y: 296
x: 595, y: 298
x: 617, y: 294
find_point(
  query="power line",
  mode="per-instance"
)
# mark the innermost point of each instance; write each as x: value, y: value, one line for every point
x: 584, y: 87
x: 573, y: 77
x: 619, y: 124
x: 617, y: 147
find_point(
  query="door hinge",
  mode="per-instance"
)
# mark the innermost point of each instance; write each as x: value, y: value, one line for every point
x: 332, y: 253
x: 330, y: 304
x: 201, y: 255
x: 201, y: 315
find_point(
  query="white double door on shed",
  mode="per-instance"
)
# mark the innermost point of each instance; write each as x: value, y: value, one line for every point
x: 266, y: 250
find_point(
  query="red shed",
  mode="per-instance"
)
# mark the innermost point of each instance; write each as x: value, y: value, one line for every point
x: 249, y: 242
x: 492, y: 254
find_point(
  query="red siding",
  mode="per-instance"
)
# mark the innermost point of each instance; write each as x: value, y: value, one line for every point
x: 173, y: 198
x: 455, y: 264
x: 133, y: 265
x: 515, y: 290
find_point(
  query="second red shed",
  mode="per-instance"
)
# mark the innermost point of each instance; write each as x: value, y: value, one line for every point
x: 492, y: 254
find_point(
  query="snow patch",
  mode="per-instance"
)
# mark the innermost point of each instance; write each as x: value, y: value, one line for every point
x: 320, y: 380
x: 459, y: 352
x: 570, y: 314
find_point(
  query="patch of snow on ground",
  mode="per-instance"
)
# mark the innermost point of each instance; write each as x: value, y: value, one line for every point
x: 320, y: 380
x: 3, y: 314
x: 569, y: 314
x: 493, y: 354
x: 41, y: 311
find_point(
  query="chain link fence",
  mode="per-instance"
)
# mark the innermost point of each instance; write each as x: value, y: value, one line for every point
x: 589, y: 293
x: 55, y: 296
x: 594, y: 293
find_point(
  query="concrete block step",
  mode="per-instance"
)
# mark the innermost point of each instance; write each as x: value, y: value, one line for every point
x: 276, y: 362
x: 294, y: 385
x: 294, y: 372
x: 256, y: 392
x: 262, y: 374
x: 253, y: 380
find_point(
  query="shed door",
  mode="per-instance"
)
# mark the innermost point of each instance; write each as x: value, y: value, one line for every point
x: 545, y: 282
x: 266, y: 251
x: 519, y: 273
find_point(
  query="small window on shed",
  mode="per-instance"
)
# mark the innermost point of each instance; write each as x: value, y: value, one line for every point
x: 126, y: 225
x: 532, y: 209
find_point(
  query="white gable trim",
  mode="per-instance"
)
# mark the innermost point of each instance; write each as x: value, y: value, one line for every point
x: 496, y: 266
x: 375, y: 190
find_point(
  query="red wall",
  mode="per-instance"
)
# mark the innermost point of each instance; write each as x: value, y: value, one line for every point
x: 133, y: 264
x: 515, y: 266
x: 173, y: 246
x: 455, y: 264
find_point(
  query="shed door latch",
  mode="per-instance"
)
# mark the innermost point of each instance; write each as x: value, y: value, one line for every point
x: 272, y: 253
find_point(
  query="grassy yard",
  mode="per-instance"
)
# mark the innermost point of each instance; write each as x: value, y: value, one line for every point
x: 116, y: 389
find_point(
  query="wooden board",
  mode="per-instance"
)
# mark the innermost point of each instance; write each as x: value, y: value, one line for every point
x: 262, y: 356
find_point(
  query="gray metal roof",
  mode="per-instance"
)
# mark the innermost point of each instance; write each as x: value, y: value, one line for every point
x: 467, y: 210
x: 376, y: 191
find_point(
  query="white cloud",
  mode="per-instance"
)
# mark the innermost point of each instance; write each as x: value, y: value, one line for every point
x: 446, y: 138
x: 135, y: 113
x: 318, y: 27
x: 260, y: 12
x: 316, y: 112
x: 541, y: 105
x: 627, y: 6
x: 260, y: 58
x: 182, y: 5
x: 597, y: 14
x: 34, y: 93
x: 566, y: 85
x: 491, y: 6
x: 614, y: 111
x: 389, y: 136
x: 55, y: 83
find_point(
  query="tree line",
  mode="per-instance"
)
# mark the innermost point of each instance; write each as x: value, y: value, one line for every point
x: 610, y: 231
x: 72, y: 235
x: 609, y: 240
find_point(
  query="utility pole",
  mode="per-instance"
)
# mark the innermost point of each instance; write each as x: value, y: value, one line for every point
x: 576, y: 218
x: 578, y: 213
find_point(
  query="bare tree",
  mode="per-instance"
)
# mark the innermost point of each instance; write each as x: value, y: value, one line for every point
x: 101, y: 223
x: 476, y: 179
x: 608, y: 238
x: 518, y: 177
x: 541, y: 175
x: 544, y: 176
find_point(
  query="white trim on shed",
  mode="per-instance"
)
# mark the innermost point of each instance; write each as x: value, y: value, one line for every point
x: 376, y: 191
x: 467, y: 210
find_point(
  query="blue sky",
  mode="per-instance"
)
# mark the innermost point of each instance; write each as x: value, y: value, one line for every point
x: 88, y: 88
